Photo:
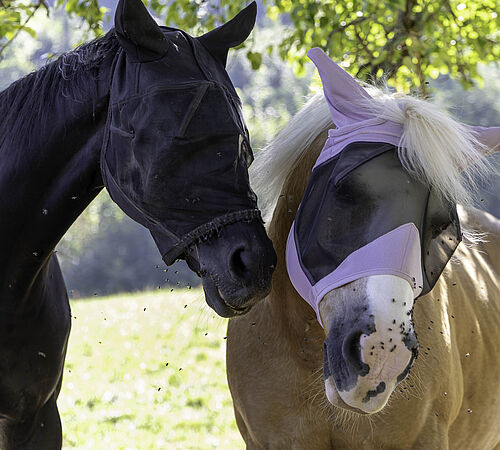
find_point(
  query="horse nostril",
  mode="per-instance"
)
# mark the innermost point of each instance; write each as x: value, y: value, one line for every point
x: 239, y: 263
x: 351, y: 348
x: 351, y: 351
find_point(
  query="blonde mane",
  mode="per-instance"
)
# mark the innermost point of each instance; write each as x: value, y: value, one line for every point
x: 278, y: 158
x: 435, y: 148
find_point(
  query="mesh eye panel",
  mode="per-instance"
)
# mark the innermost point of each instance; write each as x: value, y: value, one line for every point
x: 360, y: 195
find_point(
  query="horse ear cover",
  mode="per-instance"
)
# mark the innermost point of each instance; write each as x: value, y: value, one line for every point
x: 342, y: 92
x: 231, y: 34
x: 138, y: 33
x: 488, y: 136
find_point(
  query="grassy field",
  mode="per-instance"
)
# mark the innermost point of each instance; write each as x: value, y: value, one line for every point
x: 147, y: 371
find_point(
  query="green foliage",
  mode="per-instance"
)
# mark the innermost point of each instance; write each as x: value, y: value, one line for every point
x: 14, y: 18
x: 255, y: 59
x: 402, y: 41
x: 12, y: 15
x: 17, y: 17
x: 118, y: 391
x: 88, y: 10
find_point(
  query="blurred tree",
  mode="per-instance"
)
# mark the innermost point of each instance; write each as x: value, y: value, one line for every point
x: 105, y: 252
x: 401, y: 41
x: 476, y: 107
x: 272, y: 94
x: 16, y: 16
x: 55, y: 34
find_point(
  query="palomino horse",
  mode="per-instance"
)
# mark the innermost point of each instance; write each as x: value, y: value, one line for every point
x: 365, y: 399
x: 150, y: 113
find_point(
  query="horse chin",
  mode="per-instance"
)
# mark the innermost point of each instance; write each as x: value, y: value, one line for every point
x: 216, y: 299
x: 351, y: 402
x: 336, y: 400
x: 371, y: 343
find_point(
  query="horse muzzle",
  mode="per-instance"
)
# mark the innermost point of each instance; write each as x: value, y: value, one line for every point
x: 370, y: 345
x: 235, y: 266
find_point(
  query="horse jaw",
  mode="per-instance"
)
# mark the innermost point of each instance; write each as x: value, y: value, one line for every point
x: 370, y: 342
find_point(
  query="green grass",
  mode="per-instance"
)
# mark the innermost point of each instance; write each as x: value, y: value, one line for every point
x: 118, y: 391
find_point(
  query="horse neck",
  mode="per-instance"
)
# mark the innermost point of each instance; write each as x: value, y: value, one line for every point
x: 47, y: 180
x: 289, y: 308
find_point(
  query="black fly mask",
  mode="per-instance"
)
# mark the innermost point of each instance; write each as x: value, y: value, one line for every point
x: 176, y: 149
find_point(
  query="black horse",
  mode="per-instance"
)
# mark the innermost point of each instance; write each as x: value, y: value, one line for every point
x: 150, y: 113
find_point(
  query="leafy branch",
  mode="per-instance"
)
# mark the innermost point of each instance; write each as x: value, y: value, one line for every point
x: 34, y: 8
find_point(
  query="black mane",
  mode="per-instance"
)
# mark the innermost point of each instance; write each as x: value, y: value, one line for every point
x: 26, y: 104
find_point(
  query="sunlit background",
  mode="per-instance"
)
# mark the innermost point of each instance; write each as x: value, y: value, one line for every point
x: 145, y: 368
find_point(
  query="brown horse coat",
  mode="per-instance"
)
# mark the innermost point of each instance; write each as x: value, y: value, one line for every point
x: 451, y: 398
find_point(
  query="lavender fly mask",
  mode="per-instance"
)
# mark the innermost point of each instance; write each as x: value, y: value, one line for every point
x: 362, y: 214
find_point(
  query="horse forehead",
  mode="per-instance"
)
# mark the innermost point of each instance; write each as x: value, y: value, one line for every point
x: 178, y: 66
x: 183, y: 59
x: 187, y: 62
